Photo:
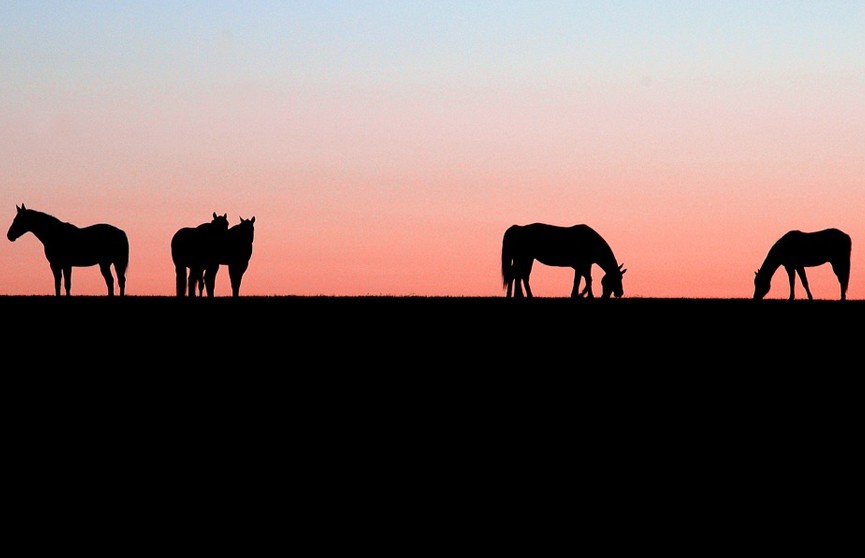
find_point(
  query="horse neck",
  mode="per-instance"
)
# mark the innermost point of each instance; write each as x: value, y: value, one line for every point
x: 241, y: 234
x: 606, y: 260
x: 46, y: 228
x: 770, y: 264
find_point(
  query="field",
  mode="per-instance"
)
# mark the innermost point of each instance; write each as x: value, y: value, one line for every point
x: 429, y: 404
x: 414, y: 336
x: 481, y: 356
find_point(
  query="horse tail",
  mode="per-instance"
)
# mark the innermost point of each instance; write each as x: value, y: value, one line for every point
x: 122, y: 263
x: 177, y: 258
x: 507, y: 257
x: 121, y: 266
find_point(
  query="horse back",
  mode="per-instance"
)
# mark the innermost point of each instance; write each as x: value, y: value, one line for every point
x: 196, y: 246
x: 559, y: 246
x: 807, y: 249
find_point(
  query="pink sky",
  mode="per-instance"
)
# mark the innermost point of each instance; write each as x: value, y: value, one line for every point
x: 392, y: 163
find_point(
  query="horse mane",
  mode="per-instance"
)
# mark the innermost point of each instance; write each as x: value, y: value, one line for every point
x: 47, y: 220
x: 45, y: 217
x: 608, y: 262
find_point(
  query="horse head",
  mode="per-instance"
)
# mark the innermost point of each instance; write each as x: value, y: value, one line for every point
x: 19, y: 224
x: 761, y: 284
x: 611, y: 283
x: 245, y: 230
x: 220, y: 221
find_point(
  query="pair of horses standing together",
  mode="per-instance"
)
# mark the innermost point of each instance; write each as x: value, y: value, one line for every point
x: 579, y: 247
x: 201, y: 249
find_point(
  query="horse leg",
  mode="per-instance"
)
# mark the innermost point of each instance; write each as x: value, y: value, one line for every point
x: 528, y: 287
x: 57, y: 272
x: 200, y: 283
x: 210, y: 279
x: 192, y: 281
x: 67, y: 279
x: 575, y: 291
x: 180, y: 280
x: 804, y: 279
x: 523, y: 270
x: 791, y: 278
x: 588, y: 289
x: 842, y: 272
x: 518, y: 286
x: 105, y: 268
x: 121, y: 278
x: 518, y: 280
x: 235, y: 273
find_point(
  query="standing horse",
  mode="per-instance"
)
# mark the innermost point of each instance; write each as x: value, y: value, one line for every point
x: 797, y: 250
x: 577, y: 247
x: 235, y: 254
x: 197, y: 248
x: 67, y: 246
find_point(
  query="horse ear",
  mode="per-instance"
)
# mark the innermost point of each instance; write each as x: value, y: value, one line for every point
x: 252, y: 220
x: 214, y: 215
x: 623, y: 271
x: 757, y: 272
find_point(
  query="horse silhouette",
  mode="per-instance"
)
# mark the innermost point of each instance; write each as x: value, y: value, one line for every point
x: 197, y: 249
x: 797, y: 250
x: 235, y: 254
x: 577, y: 247
x: 67, y: 246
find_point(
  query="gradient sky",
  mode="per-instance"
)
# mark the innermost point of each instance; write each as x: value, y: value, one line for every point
x: 384, y: 147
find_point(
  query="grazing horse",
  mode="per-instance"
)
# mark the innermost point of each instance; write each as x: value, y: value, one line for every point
x: 67, y: 246
x: 235, y: 254
x: 797, y: 250
x: 577, y: 247
x: 197, y: 248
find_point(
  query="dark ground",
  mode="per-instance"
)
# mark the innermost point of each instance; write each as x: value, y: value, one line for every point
x: 417, y: 331
x: 495, y: 350
x: 662, y: 415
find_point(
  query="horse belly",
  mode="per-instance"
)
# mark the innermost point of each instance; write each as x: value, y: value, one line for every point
x: 558, y: 260
x: 86, y: 260
x: 810, y: 261
x: 72, y: 257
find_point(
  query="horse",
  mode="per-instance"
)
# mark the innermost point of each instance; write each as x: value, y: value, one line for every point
x: 796, y: 250
x: 198, y: 249
x: 235, y: 254
x: 67, y: 246
x: 577, y: 247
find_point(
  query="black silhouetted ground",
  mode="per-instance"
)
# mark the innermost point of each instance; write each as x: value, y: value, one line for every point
x: 473, y: 337
x: 358, y: 411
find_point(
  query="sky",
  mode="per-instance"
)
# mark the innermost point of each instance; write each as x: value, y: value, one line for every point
x: 385, y: 146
